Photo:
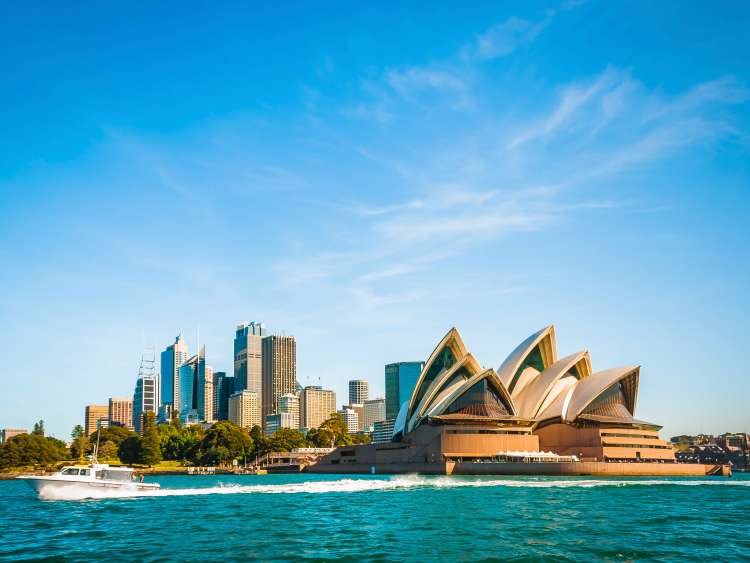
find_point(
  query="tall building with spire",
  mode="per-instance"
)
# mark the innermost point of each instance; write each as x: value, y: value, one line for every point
x: 171, y: 359
x: 248, y: 351
x: 279, y: 371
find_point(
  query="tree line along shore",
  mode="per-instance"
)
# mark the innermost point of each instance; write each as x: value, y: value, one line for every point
x: 165, y: 447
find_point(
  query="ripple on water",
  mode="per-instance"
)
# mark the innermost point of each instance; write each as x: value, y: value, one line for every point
x: 404, y: 518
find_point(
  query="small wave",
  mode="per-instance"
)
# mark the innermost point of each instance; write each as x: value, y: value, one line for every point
x: 347, y: 485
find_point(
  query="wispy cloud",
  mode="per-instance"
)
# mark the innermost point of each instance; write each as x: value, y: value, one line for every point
x: 452, y: 78
x: 504, y: 38
x: 573, y: 98
x: 408, y: 80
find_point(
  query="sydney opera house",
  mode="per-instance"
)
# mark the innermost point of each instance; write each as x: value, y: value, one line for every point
x: 537, y: 413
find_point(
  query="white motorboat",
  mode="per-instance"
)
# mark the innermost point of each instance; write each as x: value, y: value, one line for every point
x: 97, y: 477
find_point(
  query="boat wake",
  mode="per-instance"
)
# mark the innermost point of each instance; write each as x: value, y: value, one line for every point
x: 348, y: 485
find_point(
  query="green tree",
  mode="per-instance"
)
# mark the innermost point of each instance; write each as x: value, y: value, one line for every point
x: 286, y: 439
x: 261, y: 442
x: 107, y: 450
x: 31, y: 450
x: 129, y: 450
x: 80, y: 444
x: 332, y: 432
x: 150, y: 442
x: 38, y: 428
x: 77, y: 432
x: 224, y: 442
x: 180, y: 442
x: 360, y: 438
x: 109, y: 440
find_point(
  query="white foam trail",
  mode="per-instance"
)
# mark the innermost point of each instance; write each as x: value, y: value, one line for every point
x: 401, y: 482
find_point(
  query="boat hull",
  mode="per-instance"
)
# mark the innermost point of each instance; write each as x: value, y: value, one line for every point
x: 54, y: 488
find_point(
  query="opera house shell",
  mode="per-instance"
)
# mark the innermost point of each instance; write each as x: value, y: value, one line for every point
x: 534, y: 401
x: 472, y: 418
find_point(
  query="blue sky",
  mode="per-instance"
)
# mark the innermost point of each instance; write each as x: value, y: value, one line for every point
x: 366, y: 179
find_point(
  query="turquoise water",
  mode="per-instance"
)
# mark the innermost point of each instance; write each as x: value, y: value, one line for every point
x: 399, y: 518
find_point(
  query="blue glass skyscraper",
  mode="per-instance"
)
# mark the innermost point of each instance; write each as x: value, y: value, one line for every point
x: 171, y: 360
x: 223, y: 389
x: 400, y: 380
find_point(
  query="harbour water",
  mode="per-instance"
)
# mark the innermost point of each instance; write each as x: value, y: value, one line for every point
x: 383, y: 518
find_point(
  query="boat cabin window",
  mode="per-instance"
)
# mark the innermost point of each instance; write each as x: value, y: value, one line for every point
x: 70, y: 471
x: 114, y: 475
x: 85, y: 471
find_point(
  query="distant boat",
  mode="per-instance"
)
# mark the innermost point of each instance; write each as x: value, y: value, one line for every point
x: 96, y: 476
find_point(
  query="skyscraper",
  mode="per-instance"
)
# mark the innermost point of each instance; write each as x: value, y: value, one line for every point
x: 145, y: 399
x: 120, y: 412
x: 316, y: 406
x: 206, y: 393
x: 248, y: 350
x: 188, y: 388
x: 171, y: 359
x: 374, y: 412
x: 279, y: 371
x: 359, y: 391
x: 244, y: 409
x: 196, y: 397
x: 95, y: 414
x: 400, y: 380
x: 289, y: 404
x: 223, y: 389
x: 146, y: 394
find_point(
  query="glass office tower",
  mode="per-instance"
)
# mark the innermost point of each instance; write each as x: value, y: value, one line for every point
x: 400, y: 380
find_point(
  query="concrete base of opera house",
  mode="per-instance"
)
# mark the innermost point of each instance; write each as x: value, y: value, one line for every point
x: 582, y: 468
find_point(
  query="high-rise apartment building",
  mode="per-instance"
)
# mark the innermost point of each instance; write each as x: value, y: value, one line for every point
x: 316, y: 406
x: 248, y: 352
x: 94, y: 414
x: 244, y: 409
x: 279, y: 371
x: 171, y: 359
x: 289, y: 405
x: 359, y: 391
x: 374, y: 411
x: 145, y: 399
x: 400, y: 380
x: 223, y: 389
x: 120, y: 412
x: 351, y: 419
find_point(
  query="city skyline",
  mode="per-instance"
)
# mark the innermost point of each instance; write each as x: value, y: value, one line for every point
x: 579, y: 163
